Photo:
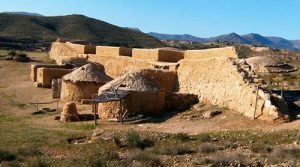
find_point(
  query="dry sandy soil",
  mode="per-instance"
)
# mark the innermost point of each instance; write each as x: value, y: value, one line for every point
x: 16, y: 90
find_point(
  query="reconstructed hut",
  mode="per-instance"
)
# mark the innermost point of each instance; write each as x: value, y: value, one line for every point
x: 143, y: 96
x: 268, y: 64
x: 83, y: 82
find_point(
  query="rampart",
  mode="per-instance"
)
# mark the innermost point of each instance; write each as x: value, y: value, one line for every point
x: 222, y: 82
x: 209, y: 53
x: 82, y: 49
x: 165, y: 55
x: 113, y: 51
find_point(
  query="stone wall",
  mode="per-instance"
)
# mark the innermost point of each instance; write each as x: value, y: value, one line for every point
x: 220, y: 82
x: 77, y: 92
x: 113, y: 51
x: 164, y: 79
x: 209, y: 53
x: 82, y: 49
x: 34, y: 68
x: 46, y: 75
x: 118, y: 65
x: 165, y: 55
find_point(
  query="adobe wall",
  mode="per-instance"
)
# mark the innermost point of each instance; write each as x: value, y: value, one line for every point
x: 113, y: 51
x: 77, y: 92
x: 82, y: 49
x: 34, y: 68
x: 165, y: 55
x: 209, y: 53
x: 118, y: 65
x: 45, y: 75
x: 164, y: 79
x: 141, y: 103
x: 221, y: 82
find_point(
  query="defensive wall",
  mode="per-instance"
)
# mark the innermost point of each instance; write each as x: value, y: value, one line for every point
x: 214, y: 75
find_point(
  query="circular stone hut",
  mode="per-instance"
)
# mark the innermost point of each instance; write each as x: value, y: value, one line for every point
x: 83, y: 82
x: 268, y: 64
x: 143, y: 96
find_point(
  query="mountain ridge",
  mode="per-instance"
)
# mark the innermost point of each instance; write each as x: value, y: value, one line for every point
x: 251, y: 38
x: 26, y: 29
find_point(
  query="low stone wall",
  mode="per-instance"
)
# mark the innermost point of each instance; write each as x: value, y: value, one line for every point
x: 46, y: 75
x: 228, y: 52
x: 34, y: 68
x: 180, y: 101
x: 113, y: 51
x: 164, y: 55
x: 220, y: 82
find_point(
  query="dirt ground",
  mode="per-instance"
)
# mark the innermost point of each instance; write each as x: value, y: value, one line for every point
x: 16, y: 89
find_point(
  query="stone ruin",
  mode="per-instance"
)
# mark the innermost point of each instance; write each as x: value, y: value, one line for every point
x: 216, y: 76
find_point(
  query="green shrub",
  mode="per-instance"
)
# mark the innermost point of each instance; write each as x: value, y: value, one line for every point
x: 6, y: 156
x: 134, y: 140
x: 204, y: 138
x: 103, y: 158
x: 182, y: 136
x: 207, y: 148
x: 176, y: 150
x: 144, y: 156
x: 117, y: 141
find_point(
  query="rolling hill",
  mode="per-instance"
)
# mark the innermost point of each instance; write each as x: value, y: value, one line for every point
x: 28, y: 29
x: 252, y: 39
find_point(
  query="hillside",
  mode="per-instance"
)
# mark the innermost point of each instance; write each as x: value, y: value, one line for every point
x: 26, y: 29
x: 252, y: 39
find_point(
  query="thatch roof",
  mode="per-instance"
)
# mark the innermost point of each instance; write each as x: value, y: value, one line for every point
x: 263, y: 61
x: 88, y: 73
x: 131, y: 81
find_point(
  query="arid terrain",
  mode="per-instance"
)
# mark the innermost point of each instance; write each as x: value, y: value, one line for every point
x: 174, y: 139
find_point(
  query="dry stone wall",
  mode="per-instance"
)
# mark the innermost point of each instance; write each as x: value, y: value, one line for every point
x: 219, y: 81
x: 46, y: 75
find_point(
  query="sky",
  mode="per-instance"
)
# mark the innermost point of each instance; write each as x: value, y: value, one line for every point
x: 202, y: 18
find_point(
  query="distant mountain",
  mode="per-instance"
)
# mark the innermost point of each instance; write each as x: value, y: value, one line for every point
x: 232, y: 37
x: 252, y: 39
x: 24, y: 13
x: 134, y: 29
x: 176, y: 37
x: 31, y: 29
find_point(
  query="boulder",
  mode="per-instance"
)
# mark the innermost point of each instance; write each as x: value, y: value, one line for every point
x: 69, y: 113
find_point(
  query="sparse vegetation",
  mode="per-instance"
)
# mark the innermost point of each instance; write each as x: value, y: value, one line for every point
x: 182, y: 137
x: 207, y: 148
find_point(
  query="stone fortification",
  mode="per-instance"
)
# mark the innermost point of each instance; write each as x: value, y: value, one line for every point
x: 209, y: 53
x: 221, y: 81
x: 113, y: 51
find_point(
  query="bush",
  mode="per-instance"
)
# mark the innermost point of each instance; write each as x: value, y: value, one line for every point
x: 176, y: 150
x: 207, y: 148
x: 6, y: 156
x: 182, y: 136
x: 259, y: 148
x: 103, y: 158
x: 134, y: 140
x: 285, y: 154
x: 144, y: 156
x: 12, y: 53
x: 117, y: 141
x: 204, y: 138
x: 221, y: 159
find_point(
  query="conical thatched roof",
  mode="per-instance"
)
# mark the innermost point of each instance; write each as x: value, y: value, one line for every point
x: 131, y: 81
x: 263, y: 61
x: 88, y: 73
